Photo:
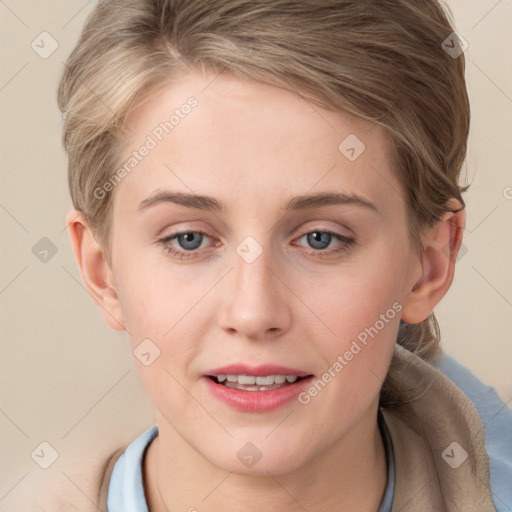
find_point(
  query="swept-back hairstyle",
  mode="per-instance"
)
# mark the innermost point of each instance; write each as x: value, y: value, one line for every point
x: 381, y: 60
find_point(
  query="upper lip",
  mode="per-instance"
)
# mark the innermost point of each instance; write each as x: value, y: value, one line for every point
x: 257, y: 371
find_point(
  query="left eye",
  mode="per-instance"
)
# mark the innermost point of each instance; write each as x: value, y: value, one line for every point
x: 189, y: 240
x: 318, y: 239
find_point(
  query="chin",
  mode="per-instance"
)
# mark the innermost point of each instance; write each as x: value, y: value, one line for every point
x: 253, y: 459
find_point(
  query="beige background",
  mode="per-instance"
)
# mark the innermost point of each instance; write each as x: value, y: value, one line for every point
x: 69, y: 380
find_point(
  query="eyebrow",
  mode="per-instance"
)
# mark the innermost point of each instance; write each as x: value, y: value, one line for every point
x: 304, y: 202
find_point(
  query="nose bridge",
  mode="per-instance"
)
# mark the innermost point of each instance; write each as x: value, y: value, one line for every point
x: 253, y: 272
x: 254, y: 302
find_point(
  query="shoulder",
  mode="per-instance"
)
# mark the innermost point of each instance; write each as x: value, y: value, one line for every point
x: 439, y: 436
x: 496, y: 419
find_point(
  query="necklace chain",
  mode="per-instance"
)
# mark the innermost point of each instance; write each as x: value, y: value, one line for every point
x: 156, y: 481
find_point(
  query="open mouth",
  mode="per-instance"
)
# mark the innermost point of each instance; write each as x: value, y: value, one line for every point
x: 257, y: 389
x: 256, y: 383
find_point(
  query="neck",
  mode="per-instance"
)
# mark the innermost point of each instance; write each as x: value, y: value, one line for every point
x: 351, y: 475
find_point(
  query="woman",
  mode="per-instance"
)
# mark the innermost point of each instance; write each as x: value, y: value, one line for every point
x: 266, y: 199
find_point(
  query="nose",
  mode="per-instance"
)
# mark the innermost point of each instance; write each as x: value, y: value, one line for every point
x: 256, y: 299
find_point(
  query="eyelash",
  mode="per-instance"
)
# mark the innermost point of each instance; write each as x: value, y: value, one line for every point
x: 348, y: 243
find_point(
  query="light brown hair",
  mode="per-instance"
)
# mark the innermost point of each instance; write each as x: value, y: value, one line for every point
x: 381, y: 60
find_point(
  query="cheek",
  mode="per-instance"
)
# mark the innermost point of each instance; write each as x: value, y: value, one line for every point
x: 362, y: 308
x: 163, y: 333
x: 358, y: 298
x: 356, y: 360
x: 161, y: 309
x: 154, y: 299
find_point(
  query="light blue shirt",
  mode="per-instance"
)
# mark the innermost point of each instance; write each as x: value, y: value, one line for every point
x: 126, y: 492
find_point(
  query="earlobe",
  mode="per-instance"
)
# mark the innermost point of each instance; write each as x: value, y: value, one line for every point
x: 441, y: 245
x: 96, y: 273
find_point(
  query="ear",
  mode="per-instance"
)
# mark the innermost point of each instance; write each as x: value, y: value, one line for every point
x: 96, y: 273
x: 441, y: 245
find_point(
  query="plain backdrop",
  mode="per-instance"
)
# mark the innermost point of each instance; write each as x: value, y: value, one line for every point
x: 69, y: 380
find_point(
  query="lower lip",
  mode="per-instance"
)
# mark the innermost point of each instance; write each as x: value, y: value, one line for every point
x: 257, y: 401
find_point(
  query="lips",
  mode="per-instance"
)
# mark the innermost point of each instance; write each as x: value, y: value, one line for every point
x: 256, y: 388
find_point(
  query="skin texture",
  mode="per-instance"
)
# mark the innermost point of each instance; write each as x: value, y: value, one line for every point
x: 253, y: 147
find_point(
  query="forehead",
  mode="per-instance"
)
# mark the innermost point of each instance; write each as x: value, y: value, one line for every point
x: 242, y: 137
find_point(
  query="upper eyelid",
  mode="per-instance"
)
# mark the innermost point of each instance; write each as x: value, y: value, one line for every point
x: 350, y: 233
x: 301, y: 233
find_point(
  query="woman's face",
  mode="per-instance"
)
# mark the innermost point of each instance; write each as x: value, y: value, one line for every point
x: 269, y: 281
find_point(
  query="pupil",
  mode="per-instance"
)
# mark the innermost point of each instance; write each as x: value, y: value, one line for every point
x: 316, y: 238
x: 188, y: 238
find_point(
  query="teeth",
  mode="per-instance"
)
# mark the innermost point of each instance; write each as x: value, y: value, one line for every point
x: 251, y: 380
x: 264, y: 381
x: 245, y: 379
